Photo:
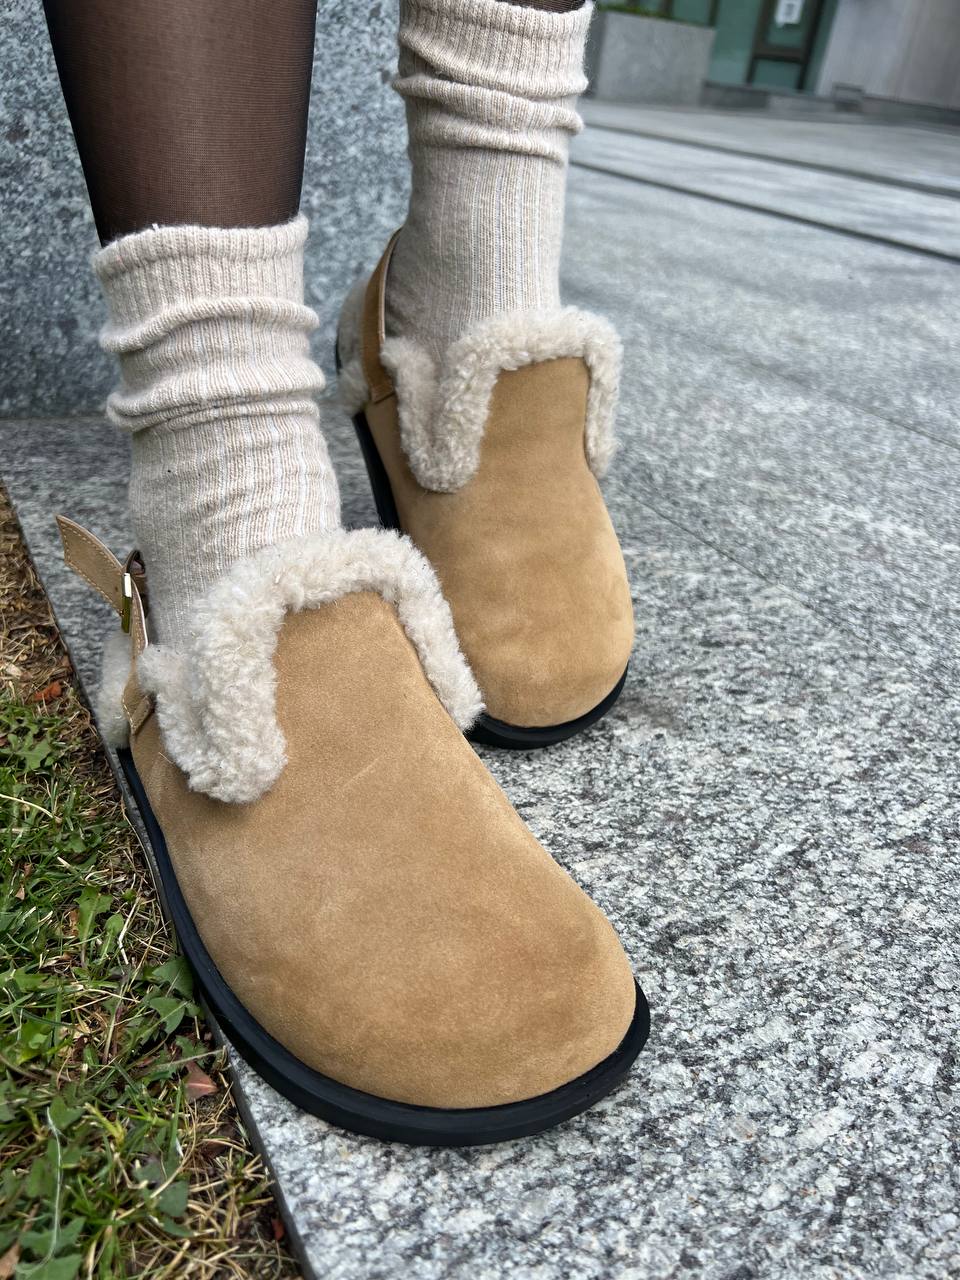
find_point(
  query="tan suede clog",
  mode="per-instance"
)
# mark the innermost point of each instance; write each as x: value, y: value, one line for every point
x: 367, y: 917
x: 489, y: 463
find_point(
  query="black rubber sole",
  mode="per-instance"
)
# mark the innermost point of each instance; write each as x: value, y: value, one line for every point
x: 497, y: 733
x: 488, y: 730
x: 351, y: 1108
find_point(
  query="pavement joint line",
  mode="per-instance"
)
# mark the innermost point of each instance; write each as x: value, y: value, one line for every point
x: 869, y: 410
x: 886, y: 652
x: 860, y: 175
x: 940, y: 255
x: 920, y: 603
x: 733, y: 353
x: 917, y: 601
x: 747, y: 361
x: 739, y: 356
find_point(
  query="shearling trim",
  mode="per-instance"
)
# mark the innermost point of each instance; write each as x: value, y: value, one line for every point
x: 114, y: 674
x: 216, y: 700
x: 443, y: 413
x: 351, y: 384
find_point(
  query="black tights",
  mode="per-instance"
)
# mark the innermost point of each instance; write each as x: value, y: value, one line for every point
x: 190, y: 111
x: 186, y: 110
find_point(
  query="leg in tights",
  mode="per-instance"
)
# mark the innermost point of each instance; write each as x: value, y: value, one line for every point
x: 191, y: 114
x: 190, y: 118
x: 186, y: 111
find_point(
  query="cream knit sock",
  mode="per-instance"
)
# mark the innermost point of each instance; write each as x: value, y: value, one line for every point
x: 490, y: 91
x: 217, y: 391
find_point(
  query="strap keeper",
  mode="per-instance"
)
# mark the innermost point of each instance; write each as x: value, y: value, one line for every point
x: 126, y: 604
x: 133, y: 562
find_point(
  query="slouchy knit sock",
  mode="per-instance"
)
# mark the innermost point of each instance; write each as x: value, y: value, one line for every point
x: 490, y: 92
x: 217, y: 392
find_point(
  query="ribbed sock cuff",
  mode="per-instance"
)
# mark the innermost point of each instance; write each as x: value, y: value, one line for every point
x: 151, y: 277
x: 204, y: 319
x: 492, y: 45
x: 484, y: 74
x: 217, y: 390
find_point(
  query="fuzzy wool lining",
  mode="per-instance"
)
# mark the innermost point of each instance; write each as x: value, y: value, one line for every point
x: 114, y: 674
x: 216, y: 699
x: 443, y: 411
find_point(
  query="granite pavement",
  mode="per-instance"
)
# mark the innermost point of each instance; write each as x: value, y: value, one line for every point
x: 770, y: 815
x: 884, y: 211
x: 913, y: 155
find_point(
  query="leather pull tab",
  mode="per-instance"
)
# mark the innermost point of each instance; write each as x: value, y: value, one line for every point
x: 121, y: 585
x: 88, y: 557
x: 373, y: 328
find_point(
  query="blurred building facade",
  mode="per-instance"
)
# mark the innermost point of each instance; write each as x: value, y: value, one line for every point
x: 898, y: 51
x: 903, y: 50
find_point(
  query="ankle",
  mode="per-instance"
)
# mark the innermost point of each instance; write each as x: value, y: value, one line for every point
x: 491, y: 93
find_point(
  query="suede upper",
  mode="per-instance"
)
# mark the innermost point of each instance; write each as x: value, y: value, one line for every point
x: 383, y: 911
x: 380, y: 910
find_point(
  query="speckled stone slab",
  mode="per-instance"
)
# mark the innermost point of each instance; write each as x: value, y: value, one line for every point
x: 920, y: 220
x: 790, y: 398
x: 912, y: 155
x: 770, y: 815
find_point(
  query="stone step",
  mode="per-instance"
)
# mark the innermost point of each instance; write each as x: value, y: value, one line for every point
x: 883, y: 212
x: 909, y: 155
x: 769, y: 819
x: 769, y: 815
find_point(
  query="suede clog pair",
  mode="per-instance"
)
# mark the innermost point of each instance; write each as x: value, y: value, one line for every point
x: 367, y: 917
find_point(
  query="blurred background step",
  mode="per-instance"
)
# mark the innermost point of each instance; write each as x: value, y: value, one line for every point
x: 914, y: 156
x: 887, y: 212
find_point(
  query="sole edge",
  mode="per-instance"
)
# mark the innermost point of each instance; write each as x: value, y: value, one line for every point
x: 491, y: 732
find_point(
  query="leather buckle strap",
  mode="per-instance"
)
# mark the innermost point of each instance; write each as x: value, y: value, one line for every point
x: 118, y: 584
x: 123, y: 587
x: 99, y: 567
x: 373, y: 328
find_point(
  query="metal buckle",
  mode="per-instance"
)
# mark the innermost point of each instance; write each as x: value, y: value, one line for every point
x: 126, y: 602
x: 126, y: 589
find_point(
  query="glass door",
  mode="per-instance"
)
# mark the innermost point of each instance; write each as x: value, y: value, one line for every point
x: 785, y: 34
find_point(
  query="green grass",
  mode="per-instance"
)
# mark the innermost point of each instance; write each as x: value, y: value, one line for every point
x: 120, y: 1150
x: 90, y: 1099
